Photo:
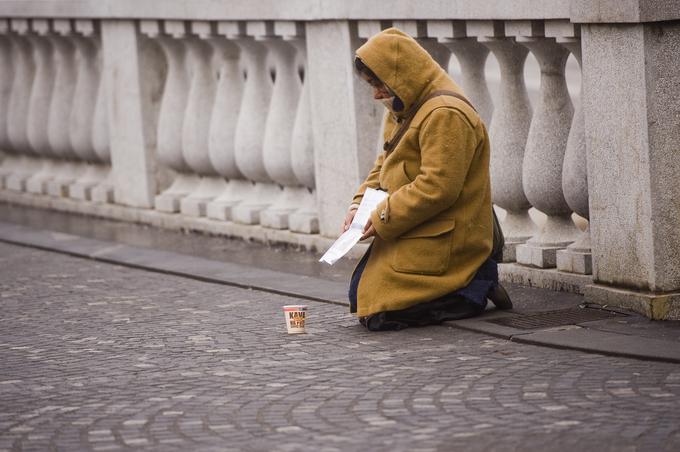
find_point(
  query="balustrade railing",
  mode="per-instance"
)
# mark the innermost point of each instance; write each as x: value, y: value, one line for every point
x: 235, y: 124
x: 255, y: 116
x: 55, y: 128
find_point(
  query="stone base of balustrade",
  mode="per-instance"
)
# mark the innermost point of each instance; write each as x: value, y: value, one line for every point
x: 275, y: 219
x: 16, y: 182
x: 37, y: 186
x: 167, y: 203
x: 656, y: 306
x: 304, y: 223
x: 543, y: 278
x: 58, y: 188
x: 193, y: 207
x: 289, y: 219
x: 179, y: 222
x: 537, y: 256
x: 102, y: 194
x: 246, y: 214
x: 81, y: 191
x: 575, y: 262
x: 219, y: 210
x: 510, y: 251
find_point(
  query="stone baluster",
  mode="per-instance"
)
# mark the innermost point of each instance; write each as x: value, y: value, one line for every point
x: 85, y: 100
x: 101, y: 144
x: 38, y: 113
x: 85, y: 92
x: 280, y: 123
x: 418, y: 30
x: 251, y: 123
x: 66, y: 169
x: 171, y: 114
x: 20, y: 166
x: 224, y: 118
x: 577, y: 257
x: 546, y: 145
x: 6, y: 78
x: 197, y: 120
x: 367, y: 28
x: 472, y: 58
x: 306, y: 218
x: 508, y: 133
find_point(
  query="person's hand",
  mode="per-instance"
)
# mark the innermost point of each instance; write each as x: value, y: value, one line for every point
x: 369, y: 230
x: 348, y: 219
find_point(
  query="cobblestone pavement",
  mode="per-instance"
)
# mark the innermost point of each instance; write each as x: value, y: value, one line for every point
x: 100, y: 357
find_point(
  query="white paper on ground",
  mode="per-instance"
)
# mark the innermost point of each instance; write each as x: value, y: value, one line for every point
x: 351, y: 236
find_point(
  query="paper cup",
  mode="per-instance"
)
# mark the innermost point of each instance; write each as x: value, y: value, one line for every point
x: 295, y: 318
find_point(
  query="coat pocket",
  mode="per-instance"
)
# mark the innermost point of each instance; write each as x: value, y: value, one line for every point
x: 425, y: 249
x: 395, y: 177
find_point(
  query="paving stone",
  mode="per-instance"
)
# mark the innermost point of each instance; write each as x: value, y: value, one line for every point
x: 102, y: 357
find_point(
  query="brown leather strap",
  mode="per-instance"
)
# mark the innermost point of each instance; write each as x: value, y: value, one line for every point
x: 406, y: 122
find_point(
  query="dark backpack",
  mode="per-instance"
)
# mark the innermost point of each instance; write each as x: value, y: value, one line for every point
x: 498, y: 239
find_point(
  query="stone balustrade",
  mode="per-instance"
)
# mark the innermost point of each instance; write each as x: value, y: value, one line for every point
x: 246, y: 119
x: 56, y: 129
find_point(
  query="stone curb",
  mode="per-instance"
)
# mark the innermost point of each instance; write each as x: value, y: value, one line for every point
x: 580, y: 337
x: 572, y: 337
x: 243, y: 276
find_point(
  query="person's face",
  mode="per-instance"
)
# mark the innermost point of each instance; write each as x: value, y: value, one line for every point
x: 380, y: 91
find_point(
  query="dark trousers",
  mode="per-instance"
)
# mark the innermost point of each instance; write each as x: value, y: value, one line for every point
x: 448, y: 307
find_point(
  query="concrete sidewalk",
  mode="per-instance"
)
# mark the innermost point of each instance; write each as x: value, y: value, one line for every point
x: 540, y: 317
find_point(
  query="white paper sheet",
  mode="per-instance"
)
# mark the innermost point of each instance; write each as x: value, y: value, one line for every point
x: 351, y: 236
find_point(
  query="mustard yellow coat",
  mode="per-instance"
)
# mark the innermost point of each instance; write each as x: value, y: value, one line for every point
x: 436, y: 226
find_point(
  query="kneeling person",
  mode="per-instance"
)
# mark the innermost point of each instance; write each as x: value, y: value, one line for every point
x: 430, y: 257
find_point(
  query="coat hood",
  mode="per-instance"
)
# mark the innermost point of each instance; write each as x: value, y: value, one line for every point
x: 404, y: 66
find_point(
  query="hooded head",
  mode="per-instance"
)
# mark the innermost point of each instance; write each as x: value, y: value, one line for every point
x: 403, y: 66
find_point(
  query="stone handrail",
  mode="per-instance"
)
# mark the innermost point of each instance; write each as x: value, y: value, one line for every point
x: 581, y: 11
x: 307, y: 10
x: 245, y: 117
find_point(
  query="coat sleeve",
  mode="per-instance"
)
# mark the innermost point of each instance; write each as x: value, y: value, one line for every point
x: 372, y: 180
x: 448, y: 143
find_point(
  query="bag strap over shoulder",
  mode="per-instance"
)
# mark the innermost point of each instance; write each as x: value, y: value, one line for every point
x: 406, y: 122
x: 498, y: 236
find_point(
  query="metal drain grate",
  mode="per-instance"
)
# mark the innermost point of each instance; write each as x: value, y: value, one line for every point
x: 549, y: 319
